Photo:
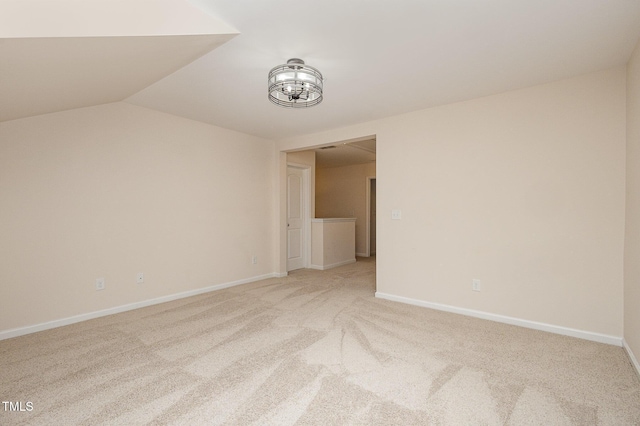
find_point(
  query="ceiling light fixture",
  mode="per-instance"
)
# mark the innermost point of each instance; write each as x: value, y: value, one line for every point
x: 295, y: 85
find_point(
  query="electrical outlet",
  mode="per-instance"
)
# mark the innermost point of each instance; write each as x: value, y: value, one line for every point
x: 140, y: 278
x: 99, y: 283
x: 475, y: 284
x: 396, y: 214
x: 254, y: 259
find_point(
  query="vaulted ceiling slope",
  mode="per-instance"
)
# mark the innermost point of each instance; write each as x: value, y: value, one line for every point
x: 65, y: 54
x: 380, y: 58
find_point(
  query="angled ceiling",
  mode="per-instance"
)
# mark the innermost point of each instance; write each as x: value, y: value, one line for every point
x: 380, y: 58
x: 53, y: 60
x: 42, y: 75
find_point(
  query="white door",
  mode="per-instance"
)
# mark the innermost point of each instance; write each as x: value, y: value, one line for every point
x: 295, y: 219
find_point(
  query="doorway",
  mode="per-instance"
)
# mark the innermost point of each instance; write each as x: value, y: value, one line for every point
x: 355, y: 152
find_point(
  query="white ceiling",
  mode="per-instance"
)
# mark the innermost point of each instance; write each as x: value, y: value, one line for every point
x: 346, y: 154
x: 65, y: 54
x: 42, y: 75
x: 379, y: 57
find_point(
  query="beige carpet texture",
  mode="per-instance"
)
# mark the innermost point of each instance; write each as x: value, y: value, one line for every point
x: 313, y: 348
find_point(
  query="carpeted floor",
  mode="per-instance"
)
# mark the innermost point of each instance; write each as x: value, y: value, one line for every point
x: 312, y: 348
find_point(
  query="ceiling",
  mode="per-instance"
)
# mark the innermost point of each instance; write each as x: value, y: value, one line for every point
x: 57, y: 74
x: 346, y: 154
x: 107, y: 50
x: 380, y: 58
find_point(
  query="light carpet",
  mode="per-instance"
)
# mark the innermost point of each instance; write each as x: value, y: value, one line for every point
x: 315, y: 347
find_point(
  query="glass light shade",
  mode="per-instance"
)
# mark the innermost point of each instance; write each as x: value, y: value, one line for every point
x: 295, y: 85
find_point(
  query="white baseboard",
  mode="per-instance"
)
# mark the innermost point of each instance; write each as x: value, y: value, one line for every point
x: 587, y: 335
x: 21, y: 331
x: 333, y: 265
x: 362, y: 255
x: 632, y: 357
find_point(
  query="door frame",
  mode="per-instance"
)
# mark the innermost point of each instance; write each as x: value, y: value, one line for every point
x: 306, y: 216
x: 368, y: 215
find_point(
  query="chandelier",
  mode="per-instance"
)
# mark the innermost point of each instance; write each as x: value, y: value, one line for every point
x: 295, y: 85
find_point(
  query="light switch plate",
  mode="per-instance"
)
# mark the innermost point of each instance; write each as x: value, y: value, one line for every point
x: 475, y: 285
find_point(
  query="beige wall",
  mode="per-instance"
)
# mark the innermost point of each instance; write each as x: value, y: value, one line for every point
x: 632, y: 237
x: 342, y: 192
x: 332, y: 242
x: 522, y: 190
x: 113, y: 190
